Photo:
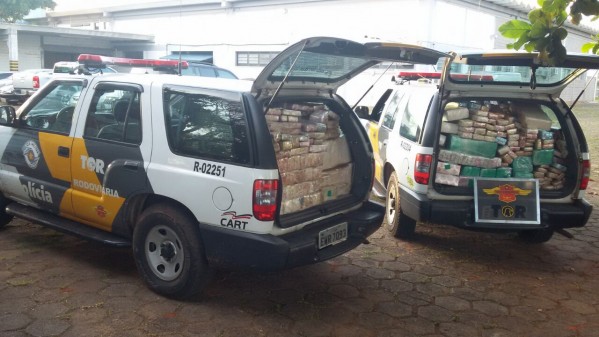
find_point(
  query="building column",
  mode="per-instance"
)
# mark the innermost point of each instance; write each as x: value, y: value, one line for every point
x: 13, y: 50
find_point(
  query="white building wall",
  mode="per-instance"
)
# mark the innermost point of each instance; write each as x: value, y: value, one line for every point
x: 433, y: 23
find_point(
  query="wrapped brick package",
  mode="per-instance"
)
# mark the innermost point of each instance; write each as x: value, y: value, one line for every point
x: 470, y: 171
x: 488, y: 173
x: 473, y: 147
x: 447, y: 179
x: 531, y: 116
x: 450, y: 128
x: 456, y: 114
x: 448, y: 168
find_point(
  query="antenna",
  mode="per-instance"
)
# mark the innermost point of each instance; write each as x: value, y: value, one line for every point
x: 180, y: 61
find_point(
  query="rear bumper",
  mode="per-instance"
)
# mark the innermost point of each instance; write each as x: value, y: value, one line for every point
x: 11, y: 97
x: 21, y: 94
x: 461, y: 213
x: 237, y: 249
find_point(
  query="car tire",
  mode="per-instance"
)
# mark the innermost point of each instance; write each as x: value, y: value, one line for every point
x: 536, y: 235
x: 4, y: 218
x: 169, y: 253
x: 397, y: 223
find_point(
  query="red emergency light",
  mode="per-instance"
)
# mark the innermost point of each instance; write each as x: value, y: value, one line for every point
x: 411, y: 76
x: 471, y: 77
x: 99, y: 60
x: 416, y: 75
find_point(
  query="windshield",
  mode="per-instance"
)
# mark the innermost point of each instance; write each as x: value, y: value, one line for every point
x: 329, y: 68
x: 507, y: 74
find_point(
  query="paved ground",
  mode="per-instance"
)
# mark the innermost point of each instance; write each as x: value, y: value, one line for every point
x: 447, y: 282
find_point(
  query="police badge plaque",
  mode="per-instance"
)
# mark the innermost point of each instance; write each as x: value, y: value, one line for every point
x: 510, y: 201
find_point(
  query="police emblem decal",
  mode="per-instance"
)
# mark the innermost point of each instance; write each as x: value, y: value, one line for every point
x: 31, y: 153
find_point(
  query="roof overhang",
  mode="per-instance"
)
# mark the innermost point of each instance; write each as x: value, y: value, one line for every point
x: 83, y: 33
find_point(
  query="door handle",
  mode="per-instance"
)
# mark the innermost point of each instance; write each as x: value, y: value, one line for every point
x: 63, y: 151
x: 385, y: 142
x: 132, y: 164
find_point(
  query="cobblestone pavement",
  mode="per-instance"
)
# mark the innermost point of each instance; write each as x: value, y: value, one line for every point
x: 447, y: 282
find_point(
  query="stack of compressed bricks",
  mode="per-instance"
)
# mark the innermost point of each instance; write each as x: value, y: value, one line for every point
x: 301, y: 134
x: 516, y: 130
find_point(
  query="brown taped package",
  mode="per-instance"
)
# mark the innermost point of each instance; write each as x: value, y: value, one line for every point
x: 337, y: 153
x: 334, y: 182
x: 336, y: 176
x: 531, y: 116
x: 274, y: 111
x: 272, y: 118
x: 447, y: 179
x: 295, y: 177
x: 288, y: 112
x: 298, y: 204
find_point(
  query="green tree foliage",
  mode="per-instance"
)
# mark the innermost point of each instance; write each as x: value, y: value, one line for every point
x: 13, y: 10
x: 544, y: 32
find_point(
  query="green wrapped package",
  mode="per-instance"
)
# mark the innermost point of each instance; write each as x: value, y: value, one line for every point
x: 542, y: 157
x: 470, y: 171
x: 472, y: 147
x: 523, y: 175
x: 522, y: 164
x: 488, y: 173
x: 504, y: 172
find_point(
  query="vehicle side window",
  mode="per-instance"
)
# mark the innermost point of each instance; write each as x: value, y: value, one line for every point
x: 225, y: 74
x: 53, y: 110
x: 114, y: 114
x: 206, y: 71
x: 378, y: 108
x: 209, y: 125
x: 414, y: 115
x: 391, y: 112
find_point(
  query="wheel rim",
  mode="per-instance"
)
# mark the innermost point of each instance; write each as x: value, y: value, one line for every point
x: 391, y: 205
x: 164, y: 252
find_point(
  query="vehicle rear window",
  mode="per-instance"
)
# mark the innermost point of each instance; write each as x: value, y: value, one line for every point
x: 507, y: 74
x: 207, y: 124
x: 318, y: 66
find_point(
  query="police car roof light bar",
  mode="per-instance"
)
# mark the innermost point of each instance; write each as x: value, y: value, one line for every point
x: 416, y: 75
x: 90, y: 60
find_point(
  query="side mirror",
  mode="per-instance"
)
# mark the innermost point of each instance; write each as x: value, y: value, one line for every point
x: 362, y: 112
x: 7, y: 115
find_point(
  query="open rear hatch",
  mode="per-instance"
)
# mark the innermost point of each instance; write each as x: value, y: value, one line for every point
x: 323, y: 154
x: 501, y: 118
x: 325, y: 63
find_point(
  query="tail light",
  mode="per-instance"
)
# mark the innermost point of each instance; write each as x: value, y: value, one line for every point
x: 36, y: 82
x: 264, y: 203
x: 586, y: 174
x: 422, y: 168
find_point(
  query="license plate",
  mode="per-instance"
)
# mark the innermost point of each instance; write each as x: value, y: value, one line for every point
x: 332, y: 236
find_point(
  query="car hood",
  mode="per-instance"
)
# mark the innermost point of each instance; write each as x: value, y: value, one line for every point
x: 326, y: 63
x: 509, y: 71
